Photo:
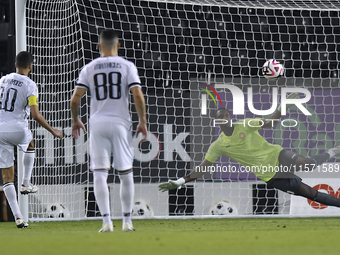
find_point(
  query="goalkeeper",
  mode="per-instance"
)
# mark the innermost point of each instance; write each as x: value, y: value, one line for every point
x: 242, y: 143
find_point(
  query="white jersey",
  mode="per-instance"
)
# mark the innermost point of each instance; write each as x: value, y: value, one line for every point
x: 15, y: 90
x: 108, y: 80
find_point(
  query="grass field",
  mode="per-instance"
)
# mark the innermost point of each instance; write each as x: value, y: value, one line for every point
x: 207, y: 236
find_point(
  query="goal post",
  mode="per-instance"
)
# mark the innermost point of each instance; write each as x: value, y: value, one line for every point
x: 179, y: 47
x: 20, y: 42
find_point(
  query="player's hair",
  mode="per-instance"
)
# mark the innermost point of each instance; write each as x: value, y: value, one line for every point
x: 23, y: 59
x: 109, y: 38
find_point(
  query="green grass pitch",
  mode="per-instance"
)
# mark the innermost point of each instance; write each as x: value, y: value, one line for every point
x: 198, y: 236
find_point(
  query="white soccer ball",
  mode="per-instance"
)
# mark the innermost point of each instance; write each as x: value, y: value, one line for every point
x: 142, y: 209
x: 272, y: 69
x: 56, y: 210
x: 223, y: 207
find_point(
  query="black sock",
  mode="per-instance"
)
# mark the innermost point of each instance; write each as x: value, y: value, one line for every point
x: 327, y: 199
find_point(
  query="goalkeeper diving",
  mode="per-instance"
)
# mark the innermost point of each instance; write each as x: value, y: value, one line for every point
x: 244, y: 144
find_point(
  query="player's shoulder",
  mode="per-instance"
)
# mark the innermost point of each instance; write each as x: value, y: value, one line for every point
x: 215, y: 146
x: 124, y: 62
x: 29, y: 82
x: 7, y: 76
x: 220, y: 139
x: 88, y: 64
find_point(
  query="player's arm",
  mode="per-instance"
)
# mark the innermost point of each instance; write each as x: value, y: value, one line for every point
x: 196, y: 173
x: 274, y: 118
x: 77, y: 124
x: 212, y: 155
x: 32, y: 102
x: 139, y: 100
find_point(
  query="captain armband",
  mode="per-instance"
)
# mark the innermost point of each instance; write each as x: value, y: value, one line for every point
x: 33, y: 101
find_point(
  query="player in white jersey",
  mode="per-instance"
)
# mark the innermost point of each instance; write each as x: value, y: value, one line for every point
x: 18, y: 97
x: 108, y: 79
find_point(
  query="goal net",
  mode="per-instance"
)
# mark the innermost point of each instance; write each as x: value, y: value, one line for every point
x: 179, y: 47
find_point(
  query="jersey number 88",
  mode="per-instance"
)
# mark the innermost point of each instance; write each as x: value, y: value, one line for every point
x: 107, y: 82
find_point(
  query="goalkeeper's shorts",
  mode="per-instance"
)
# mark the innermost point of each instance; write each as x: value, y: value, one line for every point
x: 286, y: 182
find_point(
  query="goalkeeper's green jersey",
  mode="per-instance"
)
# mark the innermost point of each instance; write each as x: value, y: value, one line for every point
x: 249, y: 148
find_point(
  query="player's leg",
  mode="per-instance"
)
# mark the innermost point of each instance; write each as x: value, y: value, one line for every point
x: 100, y: 152
x: 28, y: 163
x: 296, y: 162
x: 122, y: 150
x: 11, y: 196
x: 322, y: 198
x: 101, y: 193
x: 308, y: 164
x: 7, y: 166
x: 127, y: 193
x: 292, y: 184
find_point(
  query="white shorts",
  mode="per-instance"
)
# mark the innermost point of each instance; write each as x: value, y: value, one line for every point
x: 7, y: 142
x: 108, y: 139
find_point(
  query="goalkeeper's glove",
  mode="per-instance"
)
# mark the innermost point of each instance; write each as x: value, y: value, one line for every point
x: 290, y: 96
x: 171, y: 185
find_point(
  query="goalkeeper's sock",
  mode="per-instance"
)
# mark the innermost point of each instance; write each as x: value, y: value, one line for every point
x: 11, y: 196
x: 127, y: 192
x: 327, y: 199
x: 101, y: 192
x: 28, y: 162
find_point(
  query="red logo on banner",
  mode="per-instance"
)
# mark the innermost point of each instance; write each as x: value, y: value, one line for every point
x: 329, y: 190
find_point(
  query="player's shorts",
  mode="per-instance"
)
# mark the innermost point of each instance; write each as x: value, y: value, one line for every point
x: 106, y: 139
x: 286, y: 181
x: 8, y: 140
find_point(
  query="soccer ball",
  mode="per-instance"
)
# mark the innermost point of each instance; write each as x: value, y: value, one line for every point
x: 141, y: 209
x: 223, y: 207
x: 56, y: 210
x: 272, y: 69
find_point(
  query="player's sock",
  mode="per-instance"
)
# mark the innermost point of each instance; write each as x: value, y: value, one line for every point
x: 327, y: 199
x: 101, y: 192
x: 127, y: 193
x: 28, y: 162
x: 11, y: 196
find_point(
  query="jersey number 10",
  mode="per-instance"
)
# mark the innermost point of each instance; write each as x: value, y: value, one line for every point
x: 8, y: 99
x: 107, y: 82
